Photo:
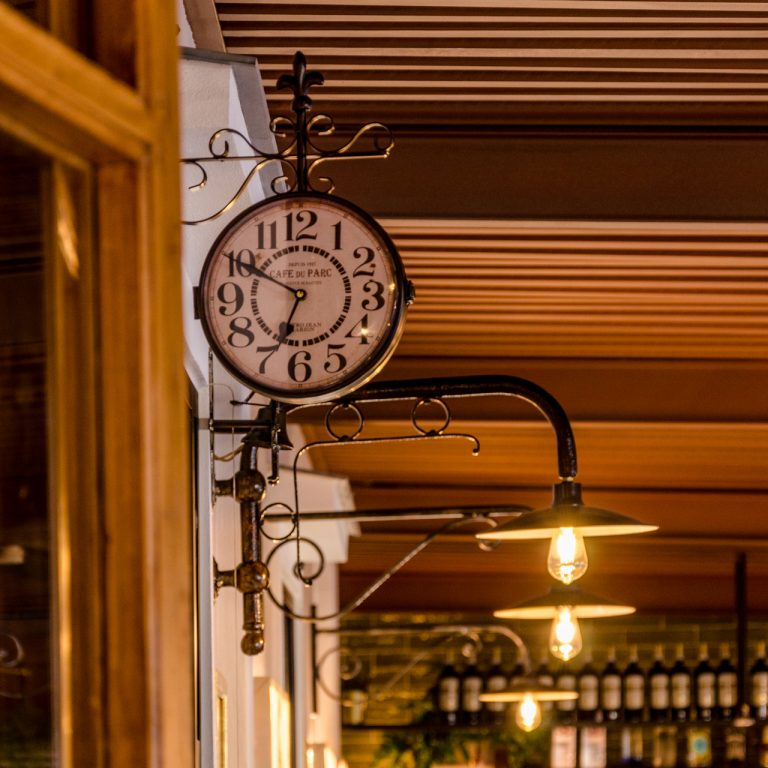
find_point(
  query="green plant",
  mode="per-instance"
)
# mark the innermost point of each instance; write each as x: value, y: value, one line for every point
x: 427, y: 746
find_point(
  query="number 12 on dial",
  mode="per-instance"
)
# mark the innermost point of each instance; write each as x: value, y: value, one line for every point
x: 303, y: 297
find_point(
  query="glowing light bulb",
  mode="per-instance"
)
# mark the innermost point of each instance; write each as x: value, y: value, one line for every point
x: 567, y: 559
x: 528, y: 714
x: 565, y: 636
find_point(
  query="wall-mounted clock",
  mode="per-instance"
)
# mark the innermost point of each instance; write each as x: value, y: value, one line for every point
x: 302, y: 297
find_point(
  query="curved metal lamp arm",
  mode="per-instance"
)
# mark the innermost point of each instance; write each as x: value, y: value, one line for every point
x: 381, y: 580
x: 476, y: 386
x: 450, y: 631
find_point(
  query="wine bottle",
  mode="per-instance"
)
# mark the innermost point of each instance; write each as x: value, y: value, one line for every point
x: 610, y: 689
x: 593, y: 747
x: 471, y: 688
x: 566, y: 710
x: 699, y: 750
x: 517, y: 672
x: 354, y: 694
x: 758, y: 677
x: 587, y: 686
x: 681, y: 687
x: 632, y: 745
x: 704, y: 686
x: 726, y: 685
x: 448, y: 687
x: 658, y: 681
x: 495, y: 680
x: 545, y: 677
x: 634, y: 689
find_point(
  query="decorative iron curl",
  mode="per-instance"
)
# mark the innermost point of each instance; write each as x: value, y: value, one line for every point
x: 297, y: 151
x: 259, y: 158
x: 294, y: 521
x: 323, y: 125
x: 12, y: 655
x: 298, y: 565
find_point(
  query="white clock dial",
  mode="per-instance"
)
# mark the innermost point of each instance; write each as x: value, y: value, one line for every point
x: 302, y: 297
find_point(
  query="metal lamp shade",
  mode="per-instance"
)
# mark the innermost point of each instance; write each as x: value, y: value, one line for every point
x: 567, y: 511
x: 583, y: 604
x: 529, y: 686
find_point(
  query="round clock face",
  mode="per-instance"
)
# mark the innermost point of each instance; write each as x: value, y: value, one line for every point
x: 302, y: 297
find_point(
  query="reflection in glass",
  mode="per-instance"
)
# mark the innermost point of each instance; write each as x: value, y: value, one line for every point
x: 25, y: 576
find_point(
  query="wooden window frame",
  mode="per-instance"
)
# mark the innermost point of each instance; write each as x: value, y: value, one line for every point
x: 124, y: 693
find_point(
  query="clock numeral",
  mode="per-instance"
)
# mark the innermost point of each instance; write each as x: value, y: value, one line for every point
x: 361, y: 270
x: 271, y: 350
x: 237, y: 298
x: 241, y: 335
x: 298, y: 369
x: 244, y: 264
x: 309, y: 216
x: 359, y: 330
x: 336, y: 236
x: 376, y: 300
x: 272, y: 234
x: 336, y: 361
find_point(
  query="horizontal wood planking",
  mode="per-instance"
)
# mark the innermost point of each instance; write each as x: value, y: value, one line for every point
x: 507, y: 53
x: 693, y: 456
x: 571, y: 289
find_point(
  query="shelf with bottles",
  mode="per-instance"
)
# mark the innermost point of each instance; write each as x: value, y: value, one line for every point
x: 695, y: 745
x: 684, y: 692
x: 685, y: 714
x: 407, y: 703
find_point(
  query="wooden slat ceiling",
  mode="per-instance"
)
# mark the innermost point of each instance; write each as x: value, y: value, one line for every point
x: 586, y: 289
x: 492, y: 59
x: 578, y: 192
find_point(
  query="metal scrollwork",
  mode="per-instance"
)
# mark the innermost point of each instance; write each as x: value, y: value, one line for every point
x: 298, y: 151
x: 11, y: 650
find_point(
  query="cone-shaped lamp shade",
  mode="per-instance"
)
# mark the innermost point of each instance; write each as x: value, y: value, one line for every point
x: 529, y: 686
x: 583, y: 604
x: 567, y: 511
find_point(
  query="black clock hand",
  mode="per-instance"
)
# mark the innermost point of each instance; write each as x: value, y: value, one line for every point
x: 286, y: 329
x: 254, y: 270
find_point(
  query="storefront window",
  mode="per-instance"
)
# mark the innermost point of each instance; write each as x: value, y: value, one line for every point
x: 25, y: 568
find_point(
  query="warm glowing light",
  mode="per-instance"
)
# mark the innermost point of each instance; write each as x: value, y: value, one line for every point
x: 528, y: 714
x: 565, y: 637
x: 567, y: 559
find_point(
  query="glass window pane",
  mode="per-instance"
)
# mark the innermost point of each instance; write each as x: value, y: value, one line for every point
x: 102, y: 32
x: 25, y: 573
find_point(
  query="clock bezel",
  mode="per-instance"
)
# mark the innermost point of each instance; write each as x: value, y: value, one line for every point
x: 364, y: 371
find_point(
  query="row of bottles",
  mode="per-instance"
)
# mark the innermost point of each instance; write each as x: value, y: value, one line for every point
x: 695, y: 745
x: 457, y: 695
x: 660, y: 694
x: 664, y: 694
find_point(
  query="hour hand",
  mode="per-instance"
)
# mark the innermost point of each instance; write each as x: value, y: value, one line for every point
x: 287, y: 328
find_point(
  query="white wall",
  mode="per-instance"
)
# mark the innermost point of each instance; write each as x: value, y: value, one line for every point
x: 221, y: 92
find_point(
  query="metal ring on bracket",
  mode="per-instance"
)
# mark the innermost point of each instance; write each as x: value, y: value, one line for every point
x: 428, y: 401
x: 297, y: 565
x: 344, y: 406
x: 488, y: 546
x: 294, y: 523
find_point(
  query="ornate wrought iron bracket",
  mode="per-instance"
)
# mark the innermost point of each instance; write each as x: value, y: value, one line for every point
x: 300, y: 149
x: 268, y: 432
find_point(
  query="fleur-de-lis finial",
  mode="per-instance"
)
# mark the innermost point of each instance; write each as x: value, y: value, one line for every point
x: 300, y: 82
